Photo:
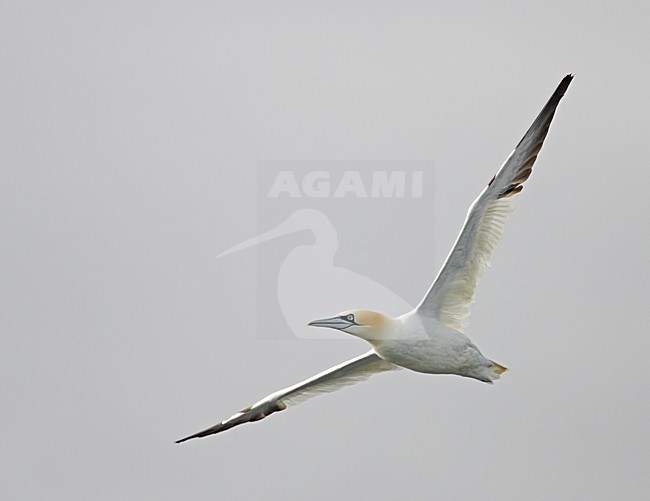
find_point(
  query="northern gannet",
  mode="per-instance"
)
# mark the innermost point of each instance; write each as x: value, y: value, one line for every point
x: 429, y: 338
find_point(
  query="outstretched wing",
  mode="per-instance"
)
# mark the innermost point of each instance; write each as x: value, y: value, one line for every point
x: 345, y: 374
x: 452, y: 293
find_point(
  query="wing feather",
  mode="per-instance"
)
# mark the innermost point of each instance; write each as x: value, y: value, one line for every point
x: 452, y: 293
x: 339, y: 376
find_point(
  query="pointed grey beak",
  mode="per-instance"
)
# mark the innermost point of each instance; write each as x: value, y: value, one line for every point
x: 333, y: 323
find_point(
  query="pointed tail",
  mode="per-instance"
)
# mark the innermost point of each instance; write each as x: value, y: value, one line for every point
x: 497, y: 370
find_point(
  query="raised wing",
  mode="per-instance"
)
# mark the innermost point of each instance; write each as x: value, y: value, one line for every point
x: 452, y: 292
x: 345, y: 374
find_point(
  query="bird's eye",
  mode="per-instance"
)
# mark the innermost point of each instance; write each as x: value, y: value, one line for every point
x: 350, y: 317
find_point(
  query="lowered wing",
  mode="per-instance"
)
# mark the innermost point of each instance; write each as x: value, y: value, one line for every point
x: 345, y: 374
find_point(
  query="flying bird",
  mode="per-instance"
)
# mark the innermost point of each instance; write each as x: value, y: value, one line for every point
x: 429, y: 338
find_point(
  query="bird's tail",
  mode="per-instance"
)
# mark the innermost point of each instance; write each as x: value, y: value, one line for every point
x: 496, y: 370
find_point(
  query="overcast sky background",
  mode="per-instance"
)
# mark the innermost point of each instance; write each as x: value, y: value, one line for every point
x: 131, y: 137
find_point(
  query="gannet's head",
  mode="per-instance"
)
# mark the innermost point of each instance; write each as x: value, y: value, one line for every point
x: 365, y: 324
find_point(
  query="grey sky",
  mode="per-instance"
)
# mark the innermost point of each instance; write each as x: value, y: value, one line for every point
x: 131, y: 137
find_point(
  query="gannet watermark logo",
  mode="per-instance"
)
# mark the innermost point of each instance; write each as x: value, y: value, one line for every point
x: 331, y: 237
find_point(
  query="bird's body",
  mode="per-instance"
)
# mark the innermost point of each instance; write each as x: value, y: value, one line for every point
x: 429, y: 339
x: 424, y: 344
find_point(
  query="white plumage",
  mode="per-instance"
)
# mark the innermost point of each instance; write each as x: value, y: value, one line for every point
x: 430, y: 338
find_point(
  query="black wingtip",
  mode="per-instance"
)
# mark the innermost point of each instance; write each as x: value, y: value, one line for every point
x: 196, y: 435
x: 546, y: 115
x: 183, y: 440
x: 560, y: 90
x: 564, y: 84
x: 217, y: 428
